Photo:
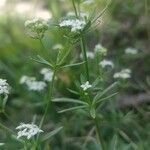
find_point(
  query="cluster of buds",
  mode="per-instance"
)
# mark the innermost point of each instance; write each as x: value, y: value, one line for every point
x: 36, y: 28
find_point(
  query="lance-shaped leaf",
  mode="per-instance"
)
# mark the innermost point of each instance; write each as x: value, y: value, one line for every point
x: 100, y: 94
x: 106, y: 98
x: 69, y: 100
x: 96, y: 82
x: 93, y: 112
x: 42, y: 61
x: 51, y: 134
x: 72, y: 109
x: 73, y: 92
x: 62, y: 56
x: 72, y: 65
x: 113, y: 144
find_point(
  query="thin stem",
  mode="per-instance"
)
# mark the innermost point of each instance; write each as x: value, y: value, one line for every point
x: 47, y: 106
x: 75, y: 9
x: 100, y: 139
x: 43, y: 47
x: 49, y: 99
x: 85, y: 57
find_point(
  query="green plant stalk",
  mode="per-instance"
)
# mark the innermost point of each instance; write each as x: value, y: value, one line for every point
x: 49, y: 99
x: 43, y: 47
x: 85, y: 56
x: 75, y: 9
x: 100, y: 139
x: 47, y: 106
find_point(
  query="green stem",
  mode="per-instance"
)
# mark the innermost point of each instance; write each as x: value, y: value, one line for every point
x: 49, y: 99
x: 47, y: 106
x: 43, y: 48
x: 75, y: 9
x: 85, y: 57
x: 100, y: 139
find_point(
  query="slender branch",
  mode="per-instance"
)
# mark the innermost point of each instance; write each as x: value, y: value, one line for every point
x: 85, y: 57
x: 75, y: 9
x: 47, y: 106
x: 49, y: 99
x: 100, y: 139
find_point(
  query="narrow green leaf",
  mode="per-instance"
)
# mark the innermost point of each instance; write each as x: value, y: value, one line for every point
x: 42, y: 61
x: 69, y: 100
x: 96, y: 82
x: 51, y: 134
x: 106, y: 98
x: 72, y: 91
x: 92, y: 112
x: 72, y: 108
x: 100, y: 94
x: 72, y: 65
x: 113, y: 144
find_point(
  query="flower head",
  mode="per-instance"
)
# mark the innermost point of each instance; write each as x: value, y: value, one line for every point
x: 4, y: 87
x: 86, y: 86
x: 32, y: 84
x: 131, y: 51
x: 89, y: 55
x: 74, y: 25
x: 100, y: 49
x: 104, y: 63
x: 123, y: 74
x: 57, y: 47
x: 36, y: 27
x: 27, y: 130
x: 47, y: 73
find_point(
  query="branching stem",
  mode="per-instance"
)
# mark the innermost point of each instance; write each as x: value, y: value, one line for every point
x: 85, y: 56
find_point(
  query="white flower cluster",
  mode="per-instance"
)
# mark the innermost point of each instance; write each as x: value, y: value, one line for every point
x: 106, y: 63
x: 28, y: 130
x: 47, y: 73
x: 89, y: 55
x: 4, y: 87
x: 57, y: 47
x: 123, y: 74
x: 100, y: 49
x: 37, y: 27
x: 86, y: 86
x: 74, y: 24
x: 32, y: 84
x: 132, y: 51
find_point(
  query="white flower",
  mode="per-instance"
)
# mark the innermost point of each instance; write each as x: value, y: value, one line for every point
x: 123, y: 74
x: 36, y: 27
x: 74, y: 24
x: 1, y: 144
x: 36, y: 85
x: 27, y: 130
x: 47, y: 73
x: 32, y: 84
x: 25, y: 79
x: 89, y: 55
x: 104, y: 63
x: 4, y: 87
x: 86, y: 86
x: 57, y: 47
x: 100, y: 49
x: 132, y: 51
